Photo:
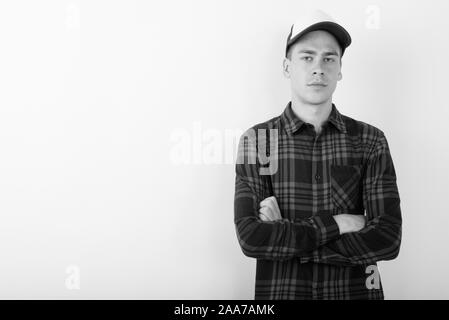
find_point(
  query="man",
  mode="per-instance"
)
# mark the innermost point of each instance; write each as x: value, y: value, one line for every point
x: 328, y: 207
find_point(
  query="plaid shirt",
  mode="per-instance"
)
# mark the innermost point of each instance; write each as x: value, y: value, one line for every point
x: 347, y: 168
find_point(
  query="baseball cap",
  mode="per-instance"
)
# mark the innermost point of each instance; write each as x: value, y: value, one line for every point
x: 318, y: 20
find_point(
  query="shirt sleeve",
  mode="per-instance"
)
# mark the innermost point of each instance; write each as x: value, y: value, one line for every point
x: 381, y: 237
x: 271, y: 240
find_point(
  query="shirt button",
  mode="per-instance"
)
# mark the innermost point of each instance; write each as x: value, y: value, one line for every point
x: 317, y: 177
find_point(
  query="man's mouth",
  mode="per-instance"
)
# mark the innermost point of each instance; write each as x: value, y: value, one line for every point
x: 317, y: 84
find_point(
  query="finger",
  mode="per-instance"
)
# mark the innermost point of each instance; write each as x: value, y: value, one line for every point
x: 363, y: 220
x: 275, y: 211
x: 272, y: 203
x: 276, y: 205
x: 263, y: 217
x: 267, y: 212
x: 267, y: 201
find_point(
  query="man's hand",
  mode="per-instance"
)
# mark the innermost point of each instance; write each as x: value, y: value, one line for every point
x: 269, y: 210
x: 350, y: 222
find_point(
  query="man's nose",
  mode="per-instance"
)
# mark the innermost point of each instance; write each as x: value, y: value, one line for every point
x: 318, y: 69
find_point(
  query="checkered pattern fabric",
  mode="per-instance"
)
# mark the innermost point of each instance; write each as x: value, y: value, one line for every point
x: 346, y: 168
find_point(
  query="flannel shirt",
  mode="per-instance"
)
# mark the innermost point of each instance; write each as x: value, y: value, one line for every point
x: 346, y: 168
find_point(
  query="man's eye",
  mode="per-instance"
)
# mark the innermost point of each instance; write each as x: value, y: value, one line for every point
x: 329, y: 60
x: 307, y: 58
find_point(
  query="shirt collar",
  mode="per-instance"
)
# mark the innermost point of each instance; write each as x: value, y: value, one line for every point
x: 292, y: 123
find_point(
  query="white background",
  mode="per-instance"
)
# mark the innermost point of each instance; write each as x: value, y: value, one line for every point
x: 93, y: 92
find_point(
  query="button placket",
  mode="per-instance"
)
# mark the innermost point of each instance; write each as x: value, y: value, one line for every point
x: 316, y: 177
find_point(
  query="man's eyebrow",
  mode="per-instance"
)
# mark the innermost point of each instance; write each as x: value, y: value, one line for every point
x: 307, y: 51
x: 331, y: 53
x: 327, y: 53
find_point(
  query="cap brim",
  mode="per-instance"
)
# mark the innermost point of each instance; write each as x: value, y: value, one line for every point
x: 340, y: 33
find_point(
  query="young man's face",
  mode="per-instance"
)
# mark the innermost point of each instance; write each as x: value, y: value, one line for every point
x: 314, y: 67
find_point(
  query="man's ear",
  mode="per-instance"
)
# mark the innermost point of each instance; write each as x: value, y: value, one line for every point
x: 286, y: 67
x: 340, y: 75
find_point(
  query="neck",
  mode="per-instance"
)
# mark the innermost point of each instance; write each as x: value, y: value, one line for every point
x: 315, y: 114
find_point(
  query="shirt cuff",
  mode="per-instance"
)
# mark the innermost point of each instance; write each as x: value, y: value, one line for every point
x: 327, y: 229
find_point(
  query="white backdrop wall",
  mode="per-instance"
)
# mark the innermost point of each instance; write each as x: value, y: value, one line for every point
x: 117, y: 121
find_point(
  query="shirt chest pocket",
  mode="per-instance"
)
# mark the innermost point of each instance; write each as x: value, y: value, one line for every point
x: 346, y: 186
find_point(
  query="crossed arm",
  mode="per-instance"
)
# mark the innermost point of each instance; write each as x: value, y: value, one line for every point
x: 269, y: 211
x: 342, y: 239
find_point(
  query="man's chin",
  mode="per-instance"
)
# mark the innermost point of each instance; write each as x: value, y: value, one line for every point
x: 316, y: 100
x: 318, y: 97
